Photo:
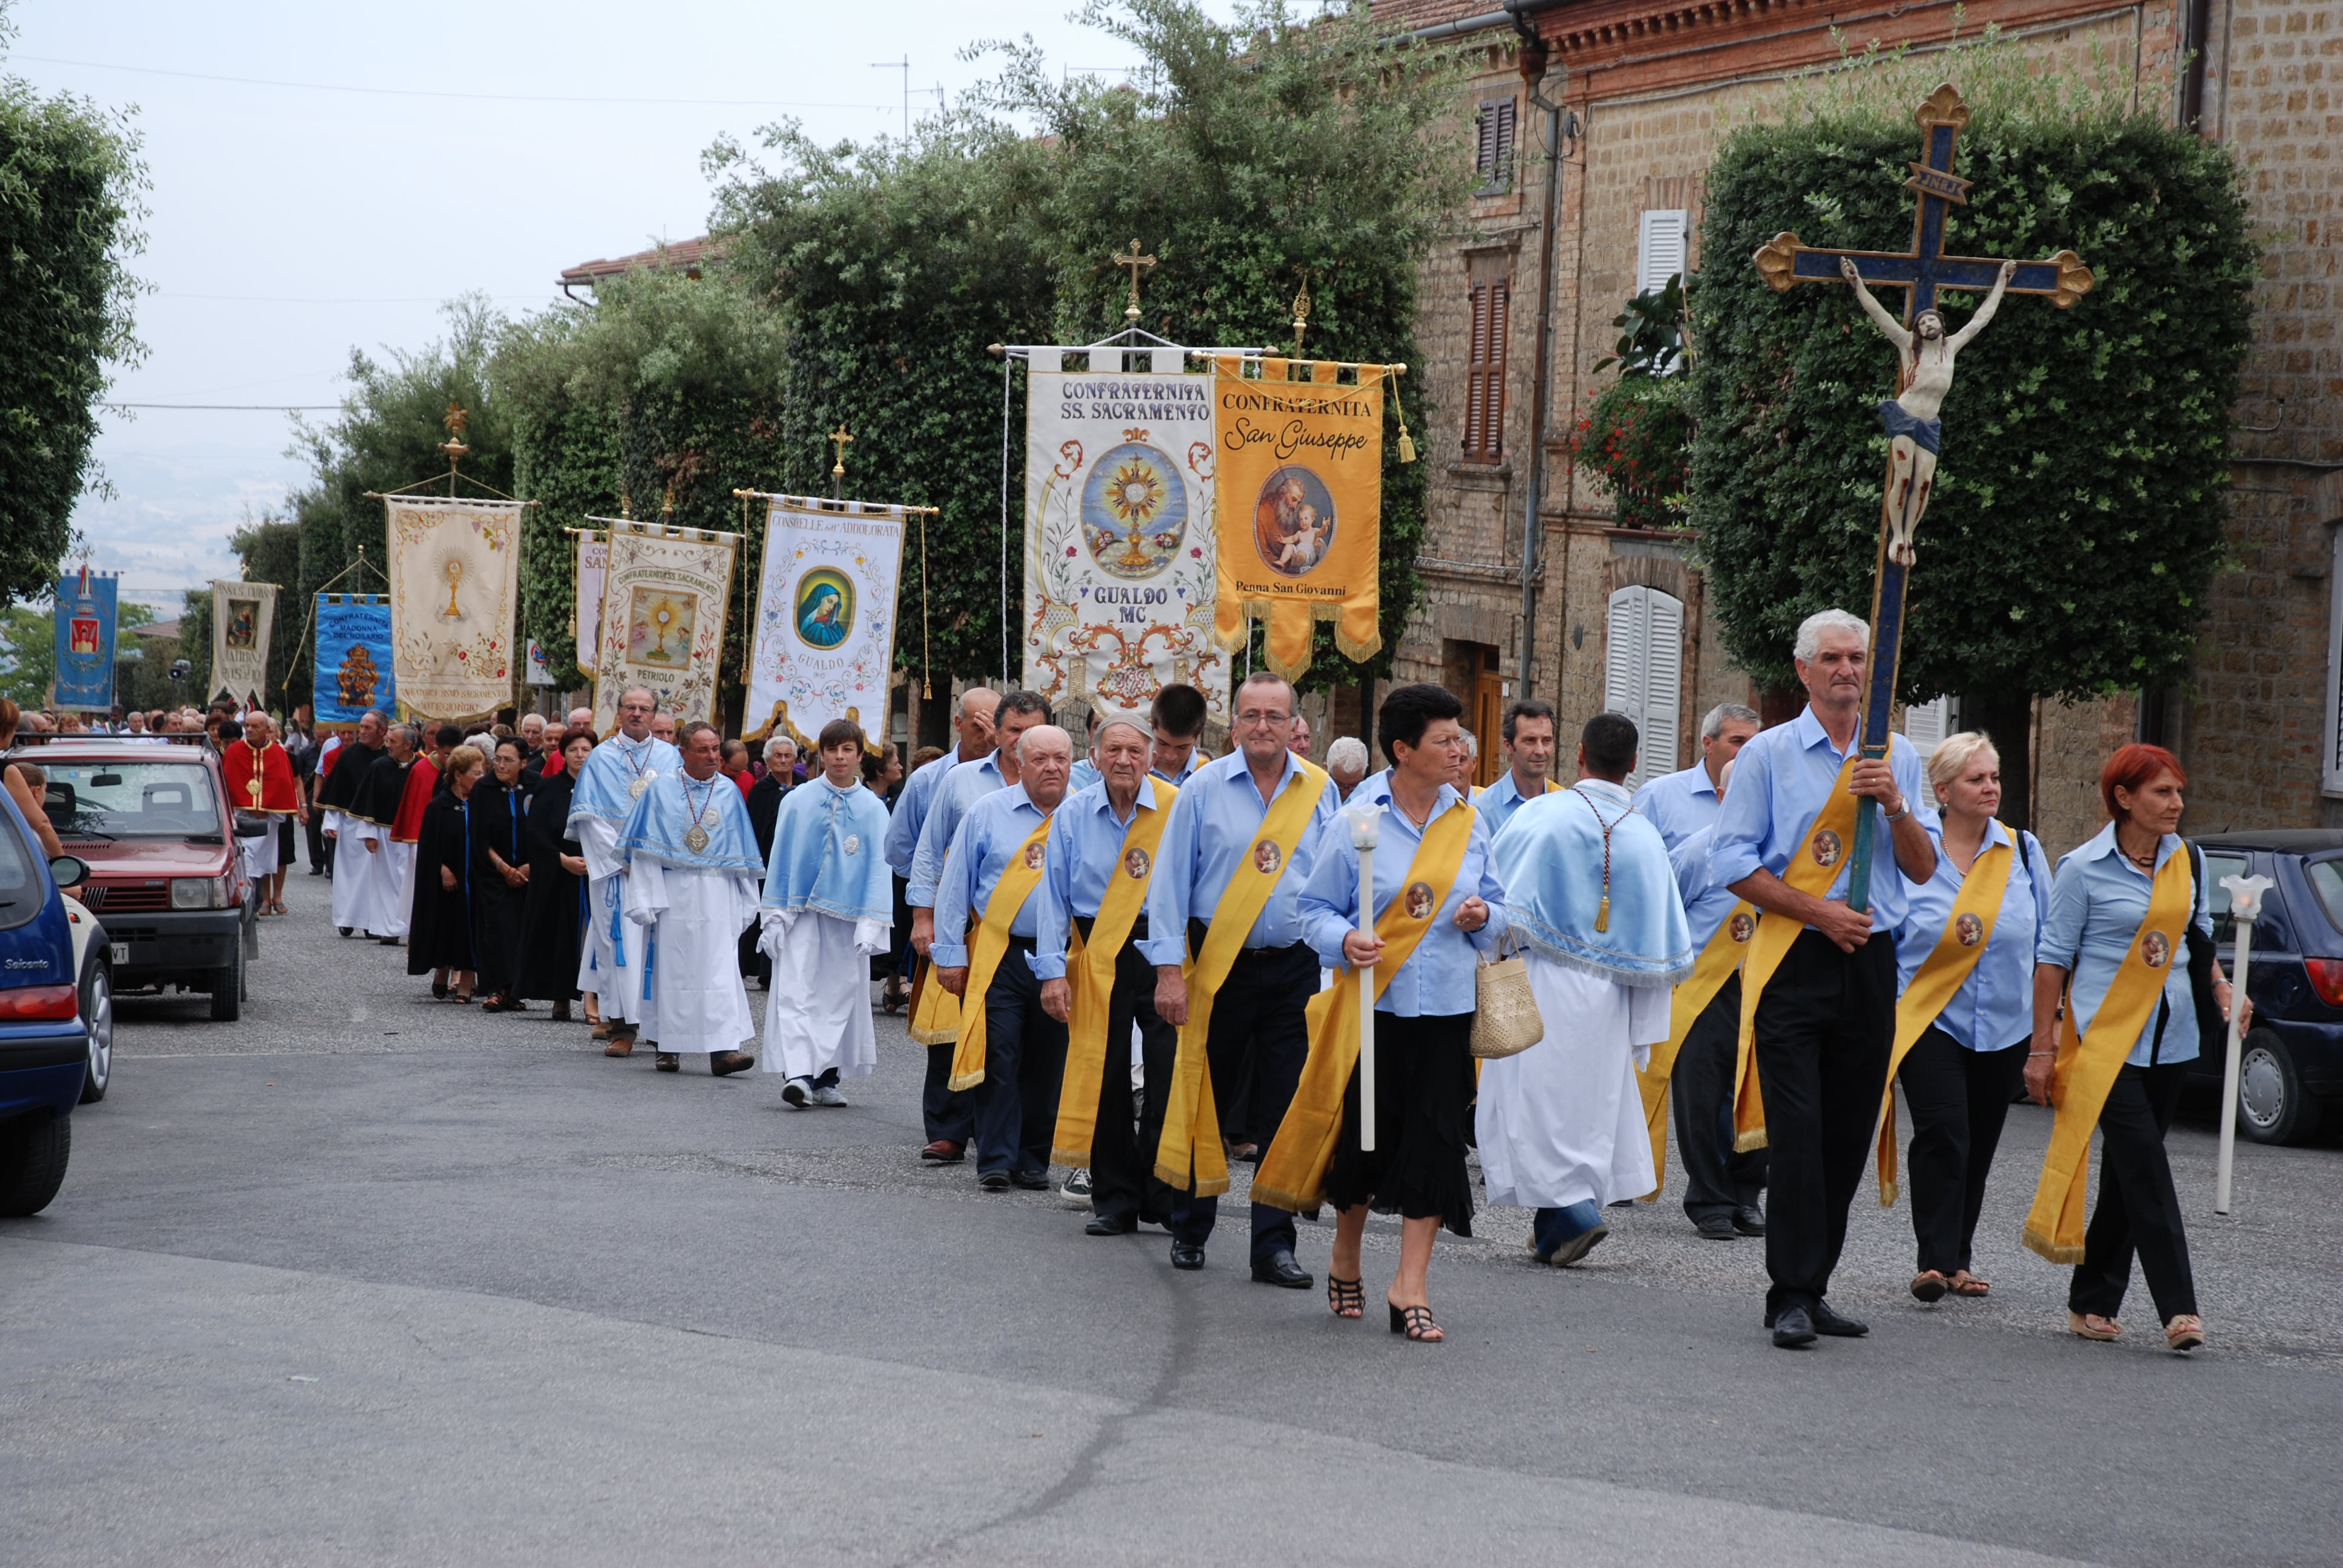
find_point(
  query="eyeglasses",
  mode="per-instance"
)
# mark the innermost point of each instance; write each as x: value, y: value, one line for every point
x: 1258, y: 717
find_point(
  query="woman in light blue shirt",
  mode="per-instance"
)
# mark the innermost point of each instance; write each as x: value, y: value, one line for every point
x: 1961, y: 1074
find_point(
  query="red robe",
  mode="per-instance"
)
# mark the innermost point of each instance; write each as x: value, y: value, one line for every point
x: 421, y: 780
x: 240, y: 765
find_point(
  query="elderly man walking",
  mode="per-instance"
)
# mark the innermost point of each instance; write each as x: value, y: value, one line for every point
x: 618, y: 774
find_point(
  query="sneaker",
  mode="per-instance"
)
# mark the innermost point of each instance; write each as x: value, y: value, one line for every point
x: 828, y: 1095
x: 1076, y: 1191
x: 797, y: 1094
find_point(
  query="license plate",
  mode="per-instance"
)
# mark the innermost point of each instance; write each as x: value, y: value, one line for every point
x: 119, y: 951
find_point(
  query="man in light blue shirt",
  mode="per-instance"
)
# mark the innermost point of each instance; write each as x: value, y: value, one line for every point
x: 1722, y: 1187
x: 1177, y: 718
x: 1257, y: 1039
x: 1528, y: 733
x: 1681, y: 804
x: 972, y: 723
x: 1024, y: 1046
x: 1826, y: 1021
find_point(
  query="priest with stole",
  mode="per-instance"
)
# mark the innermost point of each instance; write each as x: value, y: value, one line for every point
x: 1101, y: 858
x: 828, y: 907
x: 618, y: 774
x: 1594, y: 903
x: 1011, y: 1050
x: 692, y: 869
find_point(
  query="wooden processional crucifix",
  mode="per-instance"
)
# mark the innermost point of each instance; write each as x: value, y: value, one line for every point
x: 1920, y: 271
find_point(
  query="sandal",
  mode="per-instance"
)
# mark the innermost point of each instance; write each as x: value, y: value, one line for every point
x: 1928, y: 1285
x: 1345, y: 1297
x: 462, y: 996
x: 2184, y: 1332
x: 1415, y: 1323
x: 2091, y: 1326
x: 438, y: 991
x: 1964, y: 1283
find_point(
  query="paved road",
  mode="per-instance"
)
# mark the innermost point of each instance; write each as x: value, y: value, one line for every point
x: 368, y: 1279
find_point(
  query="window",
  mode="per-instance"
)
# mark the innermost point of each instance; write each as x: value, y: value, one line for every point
x: 1659, y: 248
x: 1925, y: 725
x: 1492, y: 148
x: 132, y: 800
x: 1642, y: 673
x: 2331, y: 774
x: 1484, y: 370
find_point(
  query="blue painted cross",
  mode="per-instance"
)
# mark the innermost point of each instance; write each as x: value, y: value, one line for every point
x: 1921, y: 271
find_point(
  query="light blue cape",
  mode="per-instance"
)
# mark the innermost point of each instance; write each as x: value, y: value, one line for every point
x: 610, y: 773
x: 660, y: 819
x: 827, y: 845
x: 1550, y: 855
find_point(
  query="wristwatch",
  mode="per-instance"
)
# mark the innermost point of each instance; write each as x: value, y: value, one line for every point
x: 1899, y: 813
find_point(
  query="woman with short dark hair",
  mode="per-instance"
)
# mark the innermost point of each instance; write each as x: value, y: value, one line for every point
x: 500, y: 873
x: 553, y: 913
x: 439, y: 922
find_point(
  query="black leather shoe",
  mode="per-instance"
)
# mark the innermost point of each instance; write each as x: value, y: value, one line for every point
x: 1749, y: 1221
x: 1279, y: 1269
x: 1826, y: 1321
x: 1716, y: 1227
x: 994, y: 1180
x: 1792, y: 1329
x: 1031, y: 1181
x: 1109, y: 1225
x: 1187, y: 1255
x: 667, y: 1062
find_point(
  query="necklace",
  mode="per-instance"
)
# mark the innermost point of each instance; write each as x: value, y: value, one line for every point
x: 1411, y: 816
x: 1601, y: 911
x: 634, y: 752
x: 2145, y: 862
x: 695, y: 837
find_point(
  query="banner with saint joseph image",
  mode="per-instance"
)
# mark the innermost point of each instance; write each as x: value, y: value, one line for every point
x: 1118, y: 542
x: 825, y: 629
x: 1301, y: 517
x: 243, y: 617
x: 454, y: 595
x: 665, y: 592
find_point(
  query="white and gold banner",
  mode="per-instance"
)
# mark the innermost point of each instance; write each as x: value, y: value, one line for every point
x: 243, y: 617
x: 825, y: 631
x: 1119, y: 532
x: 664, y: 598
x: 455, y: 591
x: 586, y: 607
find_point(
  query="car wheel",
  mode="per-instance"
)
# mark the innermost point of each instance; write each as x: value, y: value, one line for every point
x: 228, y: 992
x: 97, y: 1022
x: 2273, y: 1106
x: 33, y: 1155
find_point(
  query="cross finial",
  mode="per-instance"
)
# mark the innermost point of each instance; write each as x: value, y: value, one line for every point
x: 1134, y: 261
x: 1301, y: 315
x: 838, y: 438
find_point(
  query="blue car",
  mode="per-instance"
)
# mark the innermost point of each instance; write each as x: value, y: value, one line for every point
x: 44, y: 1048
x: 2291, y: 1061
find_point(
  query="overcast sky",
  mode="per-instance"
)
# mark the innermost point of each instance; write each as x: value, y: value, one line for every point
x: 293, y: 221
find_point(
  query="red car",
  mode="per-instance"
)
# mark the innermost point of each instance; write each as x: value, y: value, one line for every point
x: 151, y: 819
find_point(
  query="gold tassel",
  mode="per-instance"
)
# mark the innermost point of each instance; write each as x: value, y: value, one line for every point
x: 1603, y: 914
x: 1406, y: 441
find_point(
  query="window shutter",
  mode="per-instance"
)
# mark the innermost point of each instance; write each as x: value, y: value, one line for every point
x: 1659, y: 248
x: 1643, y: 674
x: 1492, y: 148
x: 1484, y: 371
x: 1925, y: 725
x: 1501, y: 174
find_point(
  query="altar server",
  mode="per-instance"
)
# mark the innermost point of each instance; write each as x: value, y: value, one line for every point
x: 690, y: 881
x: 1594, y: 901
x: 344, y: 769
x: 827, y: 909
x: 618, y: 775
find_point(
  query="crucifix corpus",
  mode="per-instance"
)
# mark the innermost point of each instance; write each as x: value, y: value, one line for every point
x: 1925, y: 355
x: 1134, y: 261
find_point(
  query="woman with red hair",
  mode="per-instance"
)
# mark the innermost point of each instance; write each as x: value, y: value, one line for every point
x: 2128, y: 944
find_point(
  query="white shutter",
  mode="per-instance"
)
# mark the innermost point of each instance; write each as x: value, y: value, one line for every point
x: 1623, y: 655
x: 1643, y: 674
x: 1659, y: 248
x: 1925, y: 725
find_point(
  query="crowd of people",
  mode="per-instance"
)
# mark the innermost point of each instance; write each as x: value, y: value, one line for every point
x: 1143, y: 965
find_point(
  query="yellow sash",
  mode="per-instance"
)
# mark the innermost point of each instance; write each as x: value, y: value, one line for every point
x: 935, y: 1011
x: 2085, y: 1069
x: 1089, y: 966
x: 1811, y: 871
x: 1947, y: 969
x: 1190, y: 1147
x: 1690, y: 999
x: 1294, y: 1173
x: 991, y: 941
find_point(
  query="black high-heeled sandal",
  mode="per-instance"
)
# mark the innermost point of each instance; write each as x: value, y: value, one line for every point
x: 1415, y: 1323
x: 438, y: 991
x: 1346, y: 1298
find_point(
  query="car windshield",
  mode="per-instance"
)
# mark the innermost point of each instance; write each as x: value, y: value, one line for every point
x: 132, y: 800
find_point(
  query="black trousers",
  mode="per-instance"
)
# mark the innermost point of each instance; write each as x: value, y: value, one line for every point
x: 1123, y: 1184
x: 1024, y: 1063
x: 1717, y: 1180
x: 1823, y: 1029
x: 946, y: 1116
x: 321, y: 848
x: 1254, y: 1050
x: 1958, y: 1099
x: 2138, y: 1210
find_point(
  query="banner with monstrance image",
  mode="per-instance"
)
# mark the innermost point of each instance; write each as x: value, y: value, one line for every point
x: 1119, y: 531
x: 454, y: 595
x: 665, y: 593
x: 824, y: 638
x: 243, y: 617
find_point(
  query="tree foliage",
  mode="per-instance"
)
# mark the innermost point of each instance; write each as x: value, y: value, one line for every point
x: 2078, y: 517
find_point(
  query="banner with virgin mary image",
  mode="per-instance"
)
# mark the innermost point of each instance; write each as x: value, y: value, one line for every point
x: 664, y: 598
x: 455, y: 598
x: 1118, y: 542
x: 1301, y: 465
x: 825, y: 631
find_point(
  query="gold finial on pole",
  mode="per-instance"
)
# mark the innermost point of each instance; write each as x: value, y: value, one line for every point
x: 1300, y: 315
x: 666, y: 504
x: 1134, y: 261
x: 626, y: 504
x: 454, y: 446
x: 838, y: 438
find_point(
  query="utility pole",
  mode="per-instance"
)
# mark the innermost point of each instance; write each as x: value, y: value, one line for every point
x: 904, y: 65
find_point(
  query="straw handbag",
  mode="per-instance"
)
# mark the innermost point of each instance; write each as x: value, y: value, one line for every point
x: 1505, y: 1018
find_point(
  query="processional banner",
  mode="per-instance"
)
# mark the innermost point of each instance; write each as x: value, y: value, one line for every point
x: 1119, y: 536
x: 825, y: 627
x: 1301, y: 534
x: 243, y: 617
x: 353, y: 658
x: 664, y: 600
x: 85, y: 630
x: 586, y: 602
x: 455, y: 588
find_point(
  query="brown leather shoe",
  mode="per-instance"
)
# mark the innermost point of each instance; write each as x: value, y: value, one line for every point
x: 724, y: 1063
x: 601, y: 1031
x: 942, y: 1152
x: 621, y: 1044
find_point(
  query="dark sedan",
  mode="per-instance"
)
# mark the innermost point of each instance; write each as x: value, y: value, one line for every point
x: 2292, y: 1063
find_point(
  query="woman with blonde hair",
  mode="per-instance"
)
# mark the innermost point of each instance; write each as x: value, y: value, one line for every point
x: 1966, y: 991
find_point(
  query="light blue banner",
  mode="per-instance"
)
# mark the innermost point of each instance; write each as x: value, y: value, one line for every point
x: 85, y: 630
x: 353, y: 657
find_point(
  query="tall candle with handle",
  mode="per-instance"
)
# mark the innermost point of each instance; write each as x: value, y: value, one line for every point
x: 2245, y: 906
x: 1365, y: 823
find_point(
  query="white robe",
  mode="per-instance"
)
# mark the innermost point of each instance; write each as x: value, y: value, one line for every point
x: 379, y: 907
x: 693, y: 999
x: 1562, y: 1122
x: 353, y: 870
x: 259, y: 855
x: 617, y: 988
x: 818, y: 1014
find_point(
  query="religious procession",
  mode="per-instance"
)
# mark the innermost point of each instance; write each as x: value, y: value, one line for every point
x: 1651, y: 685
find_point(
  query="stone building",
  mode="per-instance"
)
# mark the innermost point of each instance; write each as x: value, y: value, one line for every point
x: 1618, y: 616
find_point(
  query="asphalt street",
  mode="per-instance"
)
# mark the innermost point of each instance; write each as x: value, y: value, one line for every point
x: 367, y: 1279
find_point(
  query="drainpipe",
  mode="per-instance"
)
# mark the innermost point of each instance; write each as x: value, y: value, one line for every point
x: 1558, y: 123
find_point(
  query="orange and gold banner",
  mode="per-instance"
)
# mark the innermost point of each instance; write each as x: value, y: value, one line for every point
x: 1300, y: 513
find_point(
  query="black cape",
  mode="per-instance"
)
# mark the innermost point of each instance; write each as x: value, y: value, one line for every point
x: 352, y: 763
x: 553, y: 918
x: 765, y: 810
x: 439, y: 922
x: 499, y: 826
x: 380, y: 791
